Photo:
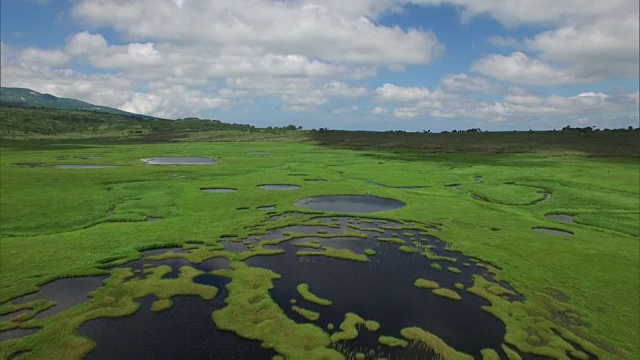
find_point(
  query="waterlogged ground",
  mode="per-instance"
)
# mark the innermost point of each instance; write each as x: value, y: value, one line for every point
x: 479, y: 269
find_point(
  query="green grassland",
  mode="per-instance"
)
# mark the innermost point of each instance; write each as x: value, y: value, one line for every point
x: 56, y: 223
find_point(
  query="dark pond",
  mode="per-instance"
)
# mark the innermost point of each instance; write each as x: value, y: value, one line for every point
x: 66, y: 293
x: 89, y: 157
x: 279, y: 187
x: 454, y: 186
x: 382, y: 289
x: 154, y: 219
x: 552, y: 231
x: 185, y: 331
x: 179, y: 160
x: 563, y: 218
x: 218, y: 190
x: 16, y: 333
x: 349, y: 203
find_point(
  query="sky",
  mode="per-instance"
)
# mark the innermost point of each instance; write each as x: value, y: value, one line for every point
x: 341, y: 64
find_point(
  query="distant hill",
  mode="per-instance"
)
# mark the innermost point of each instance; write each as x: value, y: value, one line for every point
x: 27, y: 98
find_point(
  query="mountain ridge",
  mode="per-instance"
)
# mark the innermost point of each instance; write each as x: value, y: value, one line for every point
x: 28, y: 98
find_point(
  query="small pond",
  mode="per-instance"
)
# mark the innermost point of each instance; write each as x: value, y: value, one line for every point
x: 552, y: 231
x: 563, y: 218
x: 278, y: 187
x: 219, y: 190
x: 350, y: 203
x: 259, y: 153
x: 179, y: 160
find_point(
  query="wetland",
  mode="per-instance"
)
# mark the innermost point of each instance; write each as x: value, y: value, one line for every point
x: 402, y: 267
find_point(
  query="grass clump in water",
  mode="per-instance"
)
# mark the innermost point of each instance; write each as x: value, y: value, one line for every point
x: 370, y: 252
x: 391, y: 341
x: 303, y: 290
x: 454, y: 269
x: 306, y: 313
x: 161, y: 305
x: 425, y: 284
x: 350, y: 325
x: 447, y: 293
x: 433, y: 342
x: 348, y: 328
x: 392, y: 240
x: 372, y: 325
x: 458, y: 286
x: 345, y: 254
x: 489, y: 354
x: 436, y: 266
x: 406, y: 249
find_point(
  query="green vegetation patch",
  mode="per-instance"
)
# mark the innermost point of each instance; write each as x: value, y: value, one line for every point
x: 489, y: 354
x: 350, y: 325
x: 425, y: 284
x: 252, y: 314
x: 391, y: 240
x: 434, y: 343
x: 344, y: 254
x: 447, y: 293
x: 370, y: 252
x: 454, y: 269
x: 433, y: 257
x: 406, y: 249
x: 391, y: 341
x: 303, y: 290
x: 436, y: 266
x: 372, y: 325
x: 545, y: 337
x: 306, y: 313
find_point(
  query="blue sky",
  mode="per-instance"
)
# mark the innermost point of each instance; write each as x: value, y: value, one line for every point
x: 360, y: 64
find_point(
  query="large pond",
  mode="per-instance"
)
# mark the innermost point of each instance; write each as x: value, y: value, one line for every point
x: 179, y: 160
x: 349, y: 203
x: 382, y: 289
